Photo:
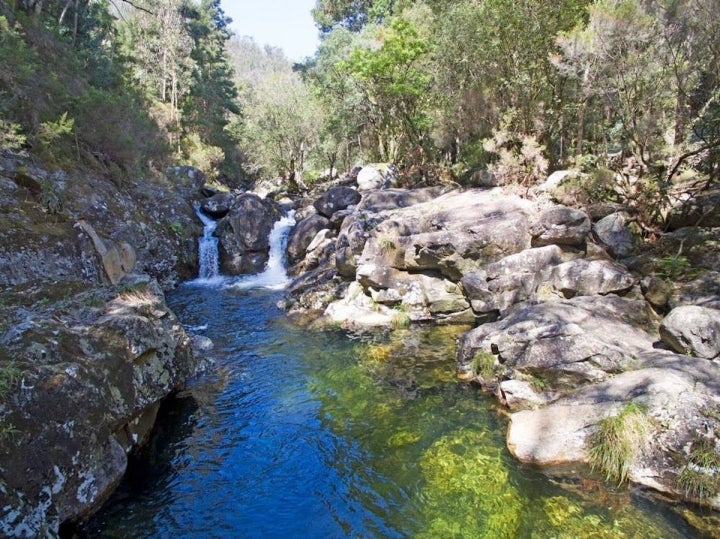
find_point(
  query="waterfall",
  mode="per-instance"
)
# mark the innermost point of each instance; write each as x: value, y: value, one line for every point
x: 208, y: 248
x: 273, y: 276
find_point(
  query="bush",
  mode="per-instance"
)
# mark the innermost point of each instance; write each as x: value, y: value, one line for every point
x: 519, y: 159
x: 201, y: 155
x: 700, y: 478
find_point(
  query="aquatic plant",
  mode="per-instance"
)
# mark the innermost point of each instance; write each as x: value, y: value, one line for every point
x: 618, y: 441
x: 468, y: 488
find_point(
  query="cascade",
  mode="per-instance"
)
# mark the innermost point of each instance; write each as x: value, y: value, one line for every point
x: 208, y: 248
x: 275, y: 274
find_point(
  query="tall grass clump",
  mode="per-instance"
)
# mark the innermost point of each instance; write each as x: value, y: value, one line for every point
x: 619, y: 441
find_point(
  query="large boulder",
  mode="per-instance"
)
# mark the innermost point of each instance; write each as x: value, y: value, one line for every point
x: 218, y: 205
x: 394, y: 198
x: 376, y: 176
x: 349, y: 246
x: 243, y: 234
x: 560, y: 226
x: 591, y: 277
x: 616, y: 232
x: 693, y: 330
x: 92, y: 381
x: 335, y: 199
x: 585, y: 339
x: 674, y: 394
x: 302, y: 235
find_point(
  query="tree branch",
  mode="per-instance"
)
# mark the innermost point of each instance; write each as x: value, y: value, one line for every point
x: 681, y: 158
x: 138, y: 7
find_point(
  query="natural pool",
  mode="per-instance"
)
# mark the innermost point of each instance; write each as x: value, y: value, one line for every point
x: 325, y: 434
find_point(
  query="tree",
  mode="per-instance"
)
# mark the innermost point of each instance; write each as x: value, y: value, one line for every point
x: 280, y: 127
x: 211, y: 101
x: 158, y: 45
x: 389, y: 77
x: 353, y: 14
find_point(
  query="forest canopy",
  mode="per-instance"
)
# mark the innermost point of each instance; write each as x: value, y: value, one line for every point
x: 445, y: 90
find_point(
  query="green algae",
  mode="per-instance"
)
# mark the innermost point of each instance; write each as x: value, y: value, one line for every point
x: 468, y: 488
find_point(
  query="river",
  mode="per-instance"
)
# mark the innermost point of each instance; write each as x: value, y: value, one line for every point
x: 319, y: 434
x: 303, y: 433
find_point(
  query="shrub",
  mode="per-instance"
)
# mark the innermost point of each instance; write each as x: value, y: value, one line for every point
x: 483, y: 365
x: 519, y: 158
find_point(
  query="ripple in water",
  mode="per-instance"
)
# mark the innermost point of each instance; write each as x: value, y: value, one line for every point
x: 323, y: 435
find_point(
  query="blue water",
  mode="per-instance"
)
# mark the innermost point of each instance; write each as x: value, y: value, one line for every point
x: 323, y: 434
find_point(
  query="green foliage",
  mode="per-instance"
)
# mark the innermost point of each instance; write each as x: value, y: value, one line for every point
x: 11, y: 136
x: 9, y: 377
x: 387, y: 73
x: 483, y: 365
x: 672, y: 267
x: 211, y: 100
x: 201, y: 155
x: 700, y: 478
x: 619, y: 441
x: 401, y: 318
x: 56, y: 138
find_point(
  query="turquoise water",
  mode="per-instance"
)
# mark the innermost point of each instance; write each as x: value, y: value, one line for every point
x: 324, y: 434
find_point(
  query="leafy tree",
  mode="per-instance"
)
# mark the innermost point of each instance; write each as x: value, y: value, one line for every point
x: 352, y: 14
x: 280, y: 127
x: 211, y: 101
x: 393, y: 86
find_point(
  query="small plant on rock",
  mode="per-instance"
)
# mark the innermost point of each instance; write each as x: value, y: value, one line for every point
x: 673, y: 267
x: 619, y: 441
x: 483, y: 365
x: 401, y: 318
x: 700, y: 478
x: 386, y: 243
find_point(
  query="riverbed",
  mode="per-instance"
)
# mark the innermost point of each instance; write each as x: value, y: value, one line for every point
x: 328, y: 433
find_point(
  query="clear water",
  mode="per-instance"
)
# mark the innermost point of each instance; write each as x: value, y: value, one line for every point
x: 324, y: 434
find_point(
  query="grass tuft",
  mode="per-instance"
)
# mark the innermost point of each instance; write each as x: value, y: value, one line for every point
x: 700, y: 478
x: 619, y: 441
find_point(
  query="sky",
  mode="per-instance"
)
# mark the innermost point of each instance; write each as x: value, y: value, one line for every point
x: 287, y: 24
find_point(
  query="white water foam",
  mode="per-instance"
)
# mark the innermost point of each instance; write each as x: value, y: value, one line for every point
x: 273, y: 277
x: 208, y: 248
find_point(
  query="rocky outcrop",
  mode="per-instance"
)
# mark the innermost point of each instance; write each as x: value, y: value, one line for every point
x: 88, y: 348
x: 42, y: 239
x: 565, y: 334
x: 90, y: 369
x: 243, y: 234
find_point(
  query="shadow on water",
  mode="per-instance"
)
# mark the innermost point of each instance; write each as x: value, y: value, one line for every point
x: 324, y: 434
